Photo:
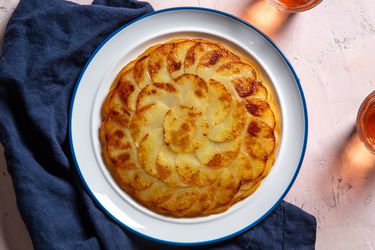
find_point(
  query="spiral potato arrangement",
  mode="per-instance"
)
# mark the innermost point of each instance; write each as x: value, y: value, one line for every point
x: 189, y: 129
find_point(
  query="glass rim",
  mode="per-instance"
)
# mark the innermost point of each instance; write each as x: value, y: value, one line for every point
x: 309, y: 5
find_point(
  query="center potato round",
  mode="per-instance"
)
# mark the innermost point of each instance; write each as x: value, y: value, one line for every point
x: 189, y: 128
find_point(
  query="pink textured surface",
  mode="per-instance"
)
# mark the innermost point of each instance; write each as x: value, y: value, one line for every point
x: 332, y: 50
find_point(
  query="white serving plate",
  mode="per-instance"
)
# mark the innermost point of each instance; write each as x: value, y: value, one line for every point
x: 125, y: 45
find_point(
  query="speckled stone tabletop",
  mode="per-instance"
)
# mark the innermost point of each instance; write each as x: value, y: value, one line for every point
x: 332, y: 48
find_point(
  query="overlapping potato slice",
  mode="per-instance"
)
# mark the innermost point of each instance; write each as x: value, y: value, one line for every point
x: 141, y: 75
x: 195, y: 53
x: 120, y: 150
x: 177, y: 58
x: 241, y: 80
x: 223, y: 189
x: 191, y: 171
x: 220, y: 103
x: 185, y: 129
x: 245, y: 189
x: 158, y: 63
x: 148, y: 152
x: 157, y: 160
x: 260, y: 139
x: 232, y: 126
x: 147, y: 118
x: 155, y: 195
x: 241, y: 168
x: 163, y: 93
x: 261, y: 109
x: 194, y: 91
x: 166, y: 62
x: 128, y: 89
x: 218, y: 155
x: 200, y: 206
x: 134, y: 178
x: 166, y: 166
x: 211, y: 61
x: 122, y: 99
x: 182, y: 200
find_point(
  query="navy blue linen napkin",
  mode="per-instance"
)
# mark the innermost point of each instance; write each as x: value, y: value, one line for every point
x: 46, y: 44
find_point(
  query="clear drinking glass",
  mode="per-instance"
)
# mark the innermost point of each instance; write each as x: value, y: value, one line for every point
x: 294, y: 5
x: 366, y: 122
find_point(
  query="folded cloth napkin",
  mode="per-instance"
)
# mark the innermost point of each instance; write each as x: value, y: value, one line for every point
x: 46, y: 44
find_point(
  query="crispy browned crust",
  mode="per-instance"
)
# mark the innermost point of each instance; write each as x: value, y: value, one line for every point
x: 189, y: 128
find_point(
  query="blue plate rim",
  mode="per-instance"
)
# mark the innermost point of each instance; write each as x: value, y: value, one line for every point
x: 302, y: 96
